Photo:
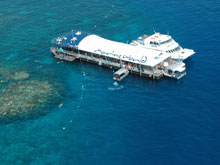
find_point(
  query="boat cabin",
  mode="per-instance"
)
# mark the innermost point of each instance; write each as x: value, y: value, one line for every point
x: 120, y: 74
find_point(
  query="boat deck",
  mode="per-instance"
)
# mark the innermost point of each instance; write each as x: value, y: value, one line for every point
x: 71, y: 39
x: 71, y: 56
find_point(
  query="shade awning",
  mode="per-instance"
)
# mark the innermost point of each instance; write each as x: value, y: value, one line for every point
x: 60, y: 50
x: 121, y: 51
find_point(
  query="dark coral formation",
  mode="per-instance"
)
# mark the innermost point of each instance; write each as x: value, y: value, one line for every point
x: 22, y: 98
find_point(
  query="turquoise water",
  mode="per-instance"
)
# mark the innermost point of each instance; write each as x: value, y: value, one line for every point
x: 141, y: 121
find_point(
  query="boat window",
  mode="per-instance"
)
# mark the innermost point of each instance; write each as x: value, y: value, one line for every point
x: 165, y: 42
x: 154, y: 43
x: 122, y: 74
x: 141, y: 41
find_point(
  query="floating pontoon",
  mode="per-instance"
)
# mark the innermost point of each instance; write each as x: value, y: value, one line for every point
x: 115, y: 55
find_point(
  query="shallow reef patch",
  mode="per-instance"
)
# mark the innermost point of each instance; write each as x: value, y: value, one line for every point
x: 27, y: 99
x: 25, y: 96
x: 22, y: 75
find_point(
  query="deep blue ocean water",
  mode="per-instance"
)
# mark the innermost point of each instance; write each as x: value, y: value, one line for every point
x: 144, y: 122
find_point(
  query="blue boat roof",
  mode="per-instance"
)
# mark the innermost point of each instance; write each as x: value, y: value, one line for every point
x: 71, y: 39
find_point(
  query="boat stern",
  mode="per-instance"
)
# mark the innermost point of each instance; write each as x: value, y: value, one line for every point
x: 183, y: 54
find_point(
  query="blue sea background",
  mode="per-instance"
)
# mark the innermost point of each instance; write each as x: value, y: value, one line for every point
x: 143, y: 122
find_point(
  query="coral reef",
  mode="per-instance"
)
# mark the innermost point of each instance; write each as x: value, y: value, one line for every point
x: 11, y: 18
x: 4, y: 74
x: 22, y: 97
x: 22, y: 75
x: 9, y: 75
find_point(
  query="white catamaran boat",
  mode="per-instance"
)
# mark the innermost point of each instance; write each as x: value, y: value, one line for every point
x: 165, y: 44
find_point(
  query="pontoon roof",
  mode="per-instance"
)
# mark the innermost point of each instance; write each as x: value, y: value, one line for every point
x: 118, y: 50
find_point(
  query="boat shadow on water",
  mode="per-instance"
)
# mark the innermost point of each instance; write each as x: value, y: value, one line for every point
x: 190, y: 63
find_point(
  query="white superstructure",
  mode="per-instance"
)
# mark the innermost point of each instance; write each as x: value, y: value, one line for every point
x: 164, y: 43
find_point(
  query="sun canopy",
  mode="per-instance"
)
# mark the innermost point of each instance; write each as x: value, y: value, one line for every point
x: 118, y: 50
x: 60, y: 50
